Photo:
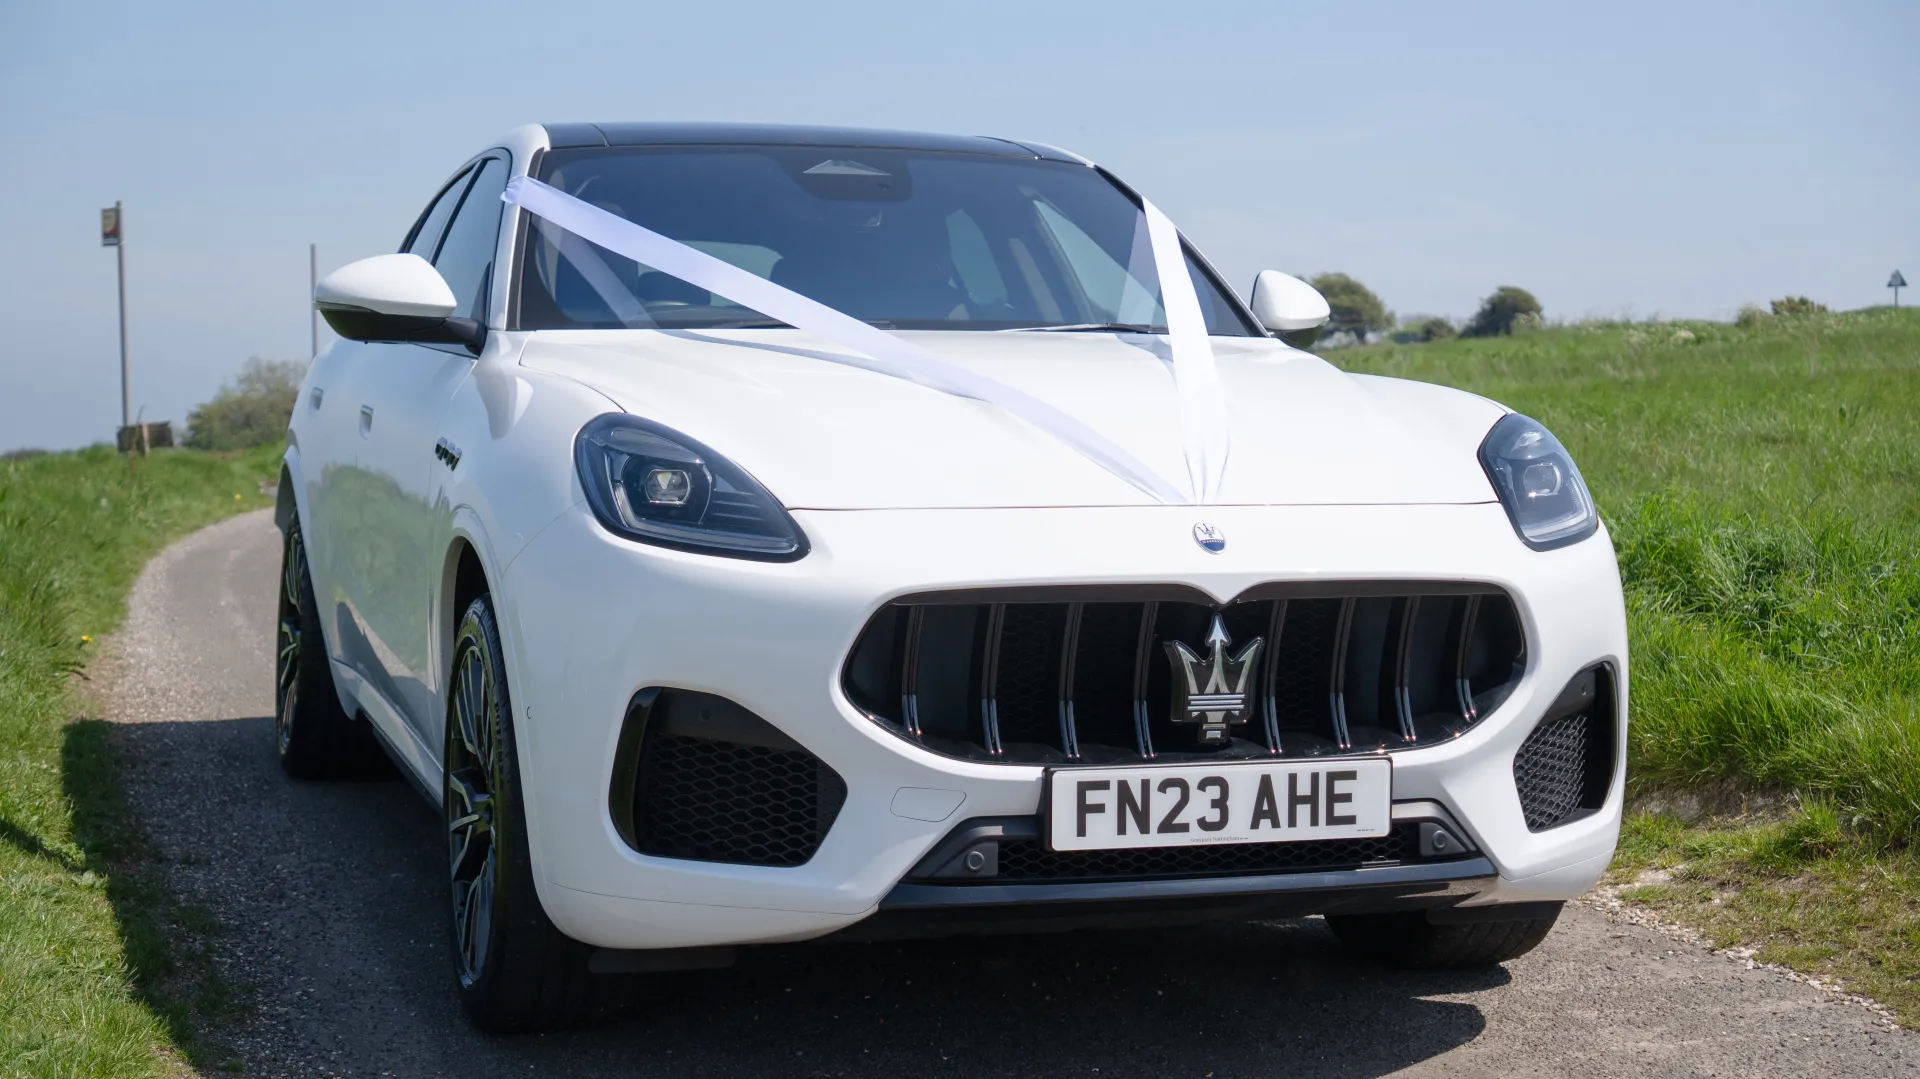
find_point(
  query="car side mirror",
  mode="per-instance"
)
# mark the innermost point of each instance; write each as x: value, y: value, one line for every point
x: 1291, y: 309
x: 394, y: 298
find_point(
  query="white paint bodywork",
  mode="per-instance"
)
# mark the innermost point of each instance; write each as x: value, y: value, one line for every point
x: 401, y: 284
x: 1283, y: 303
x: 899, y: 489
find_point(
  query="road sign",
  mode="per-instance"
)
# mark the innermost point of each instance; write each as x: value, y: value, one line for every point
x: 1896, y: 283
x: 110, y: 226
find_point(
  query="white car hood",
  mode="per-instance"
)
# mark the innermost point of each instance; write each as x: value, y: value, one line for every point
x: 823, y: 435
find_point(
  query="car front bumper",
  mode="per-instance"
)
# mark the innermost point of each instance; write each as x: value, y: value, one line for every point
x: 590, y: 619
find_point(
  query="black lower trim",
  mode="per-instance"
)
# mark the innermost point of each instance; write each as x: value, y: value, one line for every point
x: 1437, y: 877
x: 920, y: 911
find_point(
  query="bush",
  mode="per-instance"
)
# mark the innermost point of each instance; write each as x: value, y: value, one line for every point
x: 252, y: 411
x: 1356, y: 309
x: 1788, y: 306
x: 1751, y: 315
x: 1436, y: 329
x: 1499, y: 311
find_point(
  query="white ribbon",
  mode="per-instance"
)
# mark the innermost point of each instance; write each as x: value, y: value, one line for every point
x: 889, y: 354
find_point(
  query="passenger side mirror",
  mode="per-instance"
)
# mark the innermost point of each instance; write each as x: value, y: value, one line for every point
x: 394, y: 298
x: 1290, y: 308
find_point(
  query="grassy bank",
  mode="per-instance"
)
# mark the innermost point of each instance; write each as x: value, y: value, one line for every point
x: 87, y: 985
x: 1763, y: 488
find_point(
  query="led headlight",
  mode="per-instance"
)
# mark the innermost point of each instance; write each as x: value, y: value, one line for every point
x: 655, y: 485
x: 1531, y: 472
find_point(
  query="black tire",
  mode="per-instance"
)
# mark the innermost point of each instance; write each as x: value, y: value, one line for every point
x: 317, y: 739
x: 517, y: 971
x: 1408, y: 939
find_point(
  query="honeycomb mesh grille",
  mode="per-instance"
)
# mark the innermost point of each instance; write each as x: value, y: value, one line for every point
x: 1551, y: 771
x: 1029, y: 860
x: 1028, y: 686
x: 716, y: 801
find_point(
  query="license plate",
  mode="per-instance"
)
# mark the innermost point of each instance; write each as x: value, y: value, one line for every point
x: 1183, y: 805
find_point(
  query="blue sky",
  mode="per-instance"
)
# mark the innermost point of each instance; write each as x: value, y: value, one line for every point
x: 1628, y: 158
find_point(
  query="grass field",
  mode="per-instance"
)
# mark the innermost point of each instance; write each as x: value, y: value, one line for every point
x: 93, y: 981
x: 1762, y: 485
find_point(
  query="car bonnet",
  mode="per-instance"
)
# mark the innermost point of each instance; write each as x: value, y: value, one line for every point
x: 826, y: 436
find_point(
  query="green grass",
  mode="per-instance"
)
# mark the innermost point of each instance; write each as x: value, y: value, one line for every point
x: 93, y: 978
x: 1762, y: 485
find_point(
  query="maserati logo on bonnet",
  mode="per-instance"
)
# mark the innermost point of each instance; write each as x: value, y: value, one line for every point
x: 1211, y: 690
x: 1210, y: 537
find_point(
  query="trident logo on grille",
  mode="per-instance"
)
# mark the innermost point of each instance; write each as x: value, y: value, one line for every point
x: 1212, y: 690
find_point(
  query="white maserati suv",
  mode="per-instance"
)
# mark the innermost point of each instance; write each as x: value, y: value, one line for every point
x: 754, y: 534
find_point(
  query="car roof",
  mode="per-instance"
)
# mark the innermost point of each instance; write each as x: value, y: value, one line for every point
x: 717, y: 134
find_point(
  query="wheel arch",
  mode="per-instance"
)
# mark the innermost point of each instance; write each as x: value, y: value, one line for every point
x: 286, y: 496
x: 469, y: 570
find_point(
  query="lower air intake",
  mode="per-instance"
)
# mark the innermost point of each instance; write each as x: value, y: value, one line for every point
x: 716, y: 783
x: 1565, y: 767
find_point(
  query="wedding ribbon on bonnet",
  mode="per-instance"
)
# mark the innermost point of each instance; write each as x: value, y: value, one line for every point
x: 1203, y: 413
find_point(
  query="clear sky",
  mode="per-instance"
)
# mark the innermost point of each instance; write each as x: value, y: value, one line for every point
x: 1632, y: 158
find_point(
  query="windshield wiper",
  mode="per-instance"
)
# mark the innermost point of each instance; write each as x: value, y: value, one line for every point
x: 1090, y: 327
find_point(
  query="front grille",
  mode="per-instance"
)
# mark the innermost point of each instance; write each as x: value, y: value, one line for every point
x: 1058, y: 675
x: 715, y: 783
x: 1029, y: 860
x: 1565, y: 767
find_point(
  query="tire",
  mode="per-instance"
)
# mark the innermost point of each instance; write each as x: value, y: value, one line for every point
x: 1408, y: 939
x: 317, y: 739
x: 517, y: 971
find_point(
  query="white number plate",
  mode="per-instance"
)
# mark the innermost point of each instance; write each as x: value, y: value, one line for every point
x: 1251, y: 802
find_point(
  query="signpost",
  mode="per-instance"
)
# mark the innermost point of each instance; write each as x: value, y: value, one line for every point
x: 313, y: 286
x: 112, y: 223
x: 1896, y: 283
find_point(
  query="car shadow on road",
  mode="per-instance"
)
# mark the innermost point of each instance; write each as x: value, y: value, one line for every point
x: 329, y: 900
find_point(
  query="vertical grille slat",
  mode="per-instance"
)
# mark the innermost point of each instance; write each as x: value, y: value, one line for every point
x: 1069, y: 653
x: 1337, y: 675
x: 910, y: 671
x: 990, y: 680
x: 1402, y: 669
x: 1269, y: 710
x: 1143, y: 654
x: 1463, y: 687
x: 1028, y: 679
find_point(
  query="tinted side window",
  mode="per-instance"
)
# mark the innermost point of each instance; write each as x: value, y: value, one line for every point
x: 427, y: 237
x: 466, y: 255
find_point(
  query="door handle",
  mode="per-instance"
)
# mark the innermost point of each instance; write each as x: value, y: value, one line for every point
x: 366, y: 420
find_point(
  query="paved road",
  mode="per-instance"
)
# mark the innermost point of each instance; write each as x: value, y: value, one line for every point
x: 329, y: 897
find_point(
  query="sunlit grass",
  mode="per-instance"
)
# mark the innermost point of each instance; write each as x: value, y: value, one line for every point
x: 89, y: 985
x: 1762, y: 485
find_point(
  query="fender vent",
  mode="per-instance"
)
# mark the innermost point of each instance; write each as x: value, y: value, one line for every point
x: 715, y: 783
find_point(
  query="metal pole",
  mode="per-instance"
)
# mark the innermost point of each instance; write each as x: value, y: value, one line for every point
x: 120, y: 249
x: 313, y: 284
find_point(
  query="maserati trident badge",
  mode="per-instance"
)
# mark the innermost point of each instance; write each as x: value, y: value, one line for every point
x: 1211, y: 690
x: 1210, y: 537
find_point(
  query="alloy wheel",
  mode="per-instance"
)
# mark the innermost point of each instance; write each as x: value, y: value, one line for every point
x: 289, y: 641
x: 473, y: 770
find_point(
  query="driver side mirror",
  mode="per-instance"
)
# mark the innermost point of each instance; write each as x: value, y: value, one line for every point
x: 1291, y: 309
x: 394, y: 298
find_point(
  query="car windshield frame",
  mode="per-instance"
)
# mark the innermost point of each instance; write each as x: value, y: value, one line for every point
x: 533, y: 306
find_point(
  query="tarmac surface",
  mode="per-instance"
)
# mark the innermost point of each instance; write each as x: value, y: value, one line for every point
x: 329, y: 904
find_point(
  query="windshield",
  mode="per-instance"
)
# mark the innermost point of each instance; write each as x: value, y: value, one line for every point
x: 901, y: 239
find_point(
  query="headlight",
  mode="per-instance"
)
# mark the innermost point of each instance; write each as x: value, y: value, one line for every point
x: 651, y: 484
x: 1531, y: 472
